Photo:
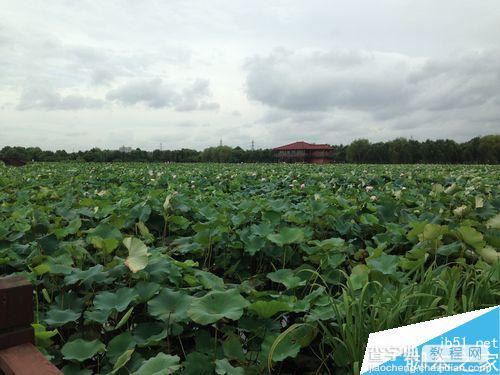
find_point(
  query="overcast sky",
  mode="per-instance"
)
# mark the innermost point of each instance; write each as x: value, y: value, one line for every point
x: 79, y: 74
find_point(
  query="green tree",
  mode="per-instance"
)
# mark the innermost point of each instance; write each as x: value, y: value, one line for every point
x: 357, y: 152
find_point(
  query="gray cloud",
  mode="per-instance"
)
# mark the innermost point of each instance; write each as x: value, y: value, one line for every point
x: 66, y: 62
x: 192, y: 97
x: 323, y: 80
x: 209, y: 106
x: 152, y: 93
x: 102, y: 76
x: 155, y: 93
x: 383, y: 84
x: 43, y: 98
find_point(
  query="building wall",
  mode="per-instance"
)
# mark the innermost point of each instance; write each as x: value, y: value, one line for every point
x: 304, y: 156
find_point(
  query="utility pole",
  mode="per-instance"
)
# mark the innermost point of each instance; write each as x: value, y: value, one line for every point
x: 220, y: 143
x: 161, y: 146
x: 253, y: 145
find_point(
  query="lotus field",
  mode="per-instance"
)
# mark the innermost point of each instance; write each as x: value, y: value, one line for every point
x: 243, y: 269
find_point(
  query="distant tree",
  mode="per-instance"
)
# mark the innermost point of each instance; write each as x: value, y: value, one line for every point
x: 489, y: 149
x: 358, y: 150
x: 400, y: 150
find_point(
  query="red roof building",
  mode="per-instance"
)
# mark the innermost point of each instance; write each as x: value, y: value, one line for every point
x: 303, y: 152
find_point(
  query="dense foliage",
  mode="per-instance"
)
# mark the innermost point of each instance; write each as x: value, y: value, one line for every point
x: 243, y: 269
x: 401, y: 150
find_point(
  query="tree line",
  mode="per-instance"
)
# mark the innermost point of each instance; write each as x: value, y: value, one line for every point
x: 400, y: 150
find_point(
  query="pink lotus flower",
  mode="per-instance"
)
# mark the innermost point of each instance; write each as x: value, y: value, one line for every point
x: 369, y: 188
x: 302, y: 186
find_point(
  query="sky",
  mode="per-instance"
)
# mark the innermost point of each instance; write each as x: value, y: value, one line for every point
x: 187, y: 74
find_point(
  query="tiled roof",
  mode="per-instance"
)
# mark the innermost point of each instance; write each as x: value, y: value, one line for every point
x: 303, y: 146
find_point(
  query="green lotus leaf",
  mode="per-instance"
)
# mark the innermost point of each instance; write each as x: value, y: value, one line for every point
x: 98, y: 316
x: 262, y: 230
x: 95, y: 274
x: 52, y: 267
x: 72, y: 228
x: 105, y: 244
x: 147, y: 334
x: 266, y: 309
x: 57, y: 317
x: 197, y: 363
x: 137, y: 254
x: 287, y: 278
x: 432, y: 232
x: 141, y: 212
x: 122, y: 360
x: 471, y: 237
x: 450, y: 249
x: 359, y: 276
x: 253, y: 243
x: 232, y: 347
x: 162, y: 270
x: 329, y: 243
x: 278, y: 347
x: 368, y: 219
x: 162, y: 364
x: 209, y: 280
x: 287, y: 348
x: 105, y: 230
x: 117, y: 300
x: 105, y: 237
x: 279, y: 205
x: 119, y: 345
x: 49, y: 244
x: 223, y: 367
x: 80, y: 350
x: 170, y: 306
x: 146, y: 290
x: 74, y: 369
x: 335, y: 260
x: 386, y: 264
x: 217, y: 305
x: 287, y: 235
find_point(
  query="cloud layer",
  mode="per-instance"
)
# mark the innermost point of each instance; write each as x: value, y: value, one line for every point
x: 155, y: 93
x: 43, y: 98
x: 384, y: 84
x: 188, y: 73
